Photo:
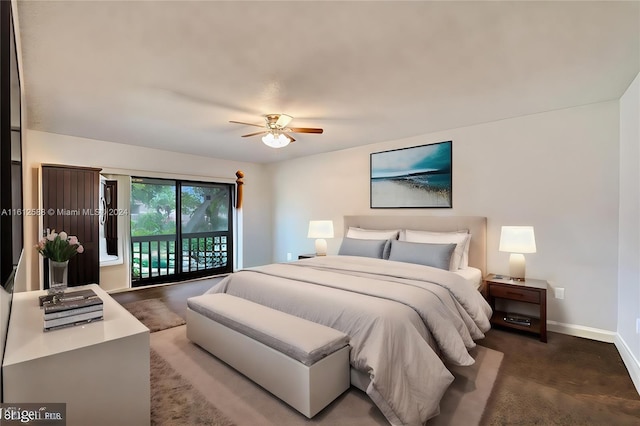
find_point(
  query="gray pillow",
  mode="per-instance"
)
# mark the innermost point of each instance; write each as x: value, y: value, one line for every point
x: 363, y: 248
x: 436, y: 255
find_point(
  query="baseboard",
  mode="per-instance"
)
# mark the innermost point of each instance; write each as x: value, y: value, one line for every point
x: 582, y: 331
x: 630, y: 361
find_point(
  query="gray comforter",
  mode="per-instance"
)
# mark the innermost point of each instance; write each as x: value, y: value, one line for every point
x: 390, y: 310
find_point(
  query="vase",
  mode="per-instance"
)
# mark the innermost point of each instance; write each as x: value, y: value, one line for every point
x: 58, y: 276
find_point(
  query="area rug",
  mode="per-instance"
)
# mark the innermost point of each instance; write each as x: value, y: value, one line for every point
x: 174, y: 401
x: 154, y: 314
x: 465, y: 400
x: 245, y: 403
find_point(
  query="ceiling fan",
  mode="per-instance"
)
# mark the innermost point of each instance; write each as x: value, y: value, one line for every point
x: 276, y: 133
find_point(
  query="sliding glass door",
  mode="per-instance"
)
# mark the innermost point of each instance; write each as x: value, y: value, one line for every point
x: 205, y: 231
x: 167, y: 246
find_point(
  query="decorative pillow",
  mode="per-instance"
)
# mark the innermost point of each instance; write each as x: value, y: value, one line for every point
x: 372, y: 234
x: 363, y: 247
x: 436, y: 255
x: 460, y: 239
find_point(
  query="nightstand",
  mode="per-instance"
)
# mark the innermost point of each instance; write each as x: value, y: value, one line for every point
x: 306, y: 256
x: 528, y: 291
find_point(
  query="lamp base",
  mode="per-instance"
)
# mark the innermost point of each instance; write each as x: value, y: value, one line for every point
x: 321, y: 247
x: 516, y: 266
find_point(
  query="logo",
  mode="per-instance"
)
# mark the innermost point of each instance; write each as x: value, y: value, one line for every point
x: 13, y: 414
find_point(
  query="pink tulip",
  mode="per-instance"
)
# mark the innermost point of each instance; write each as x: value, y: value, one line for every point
x: 41, y: 244
x: 73, y: 240
x: 80, y: 249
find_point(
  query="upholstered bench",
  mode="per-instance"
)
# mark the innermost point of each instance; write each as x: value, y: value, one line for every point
x: 303, y: 363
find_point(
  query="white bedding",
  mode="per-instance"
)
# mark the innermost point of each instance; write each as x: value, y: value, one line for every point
x: 472, y: 275
x: 389, y: 310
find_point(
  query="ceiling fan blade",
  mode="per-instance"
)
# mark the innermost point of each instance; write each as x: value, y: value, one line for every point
x: 290, y: 137
x: 304, y: 130
x: 283, y: 120
x: 256, y: 133
x: 248, y: 124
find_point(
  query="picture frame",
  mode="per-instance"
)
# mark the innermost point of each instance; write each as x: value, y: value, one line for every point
x: 414, y: 177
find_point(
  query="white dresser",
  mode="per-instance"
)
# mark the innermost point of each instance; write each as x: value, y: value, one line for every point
x: 100, y: 370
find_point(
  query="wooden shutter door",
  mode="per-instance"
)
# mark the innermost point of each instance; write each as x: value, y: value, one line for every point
x: 70, y: 202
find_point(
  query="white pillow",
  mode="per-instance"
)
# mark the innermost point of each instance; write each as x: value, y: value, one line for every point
x: 372, y: 234
x: 461, y: 239
x: 465, y: 255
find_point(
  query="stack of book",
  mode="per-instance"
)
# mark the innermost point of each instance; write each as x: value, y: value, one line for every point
x: 71, y: 308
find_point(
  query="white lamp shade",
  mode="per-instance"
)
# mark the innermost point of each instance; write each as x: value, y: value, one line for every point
x: 320, y: 229
x: 517, y: 239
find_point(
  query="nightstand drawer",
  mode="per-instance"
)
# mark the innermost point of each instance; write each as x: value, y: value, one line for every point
x: 522, y: 295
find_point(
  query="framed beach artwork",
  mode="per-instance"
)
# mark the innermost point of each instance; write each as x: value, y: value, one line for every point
x: 416, y: 177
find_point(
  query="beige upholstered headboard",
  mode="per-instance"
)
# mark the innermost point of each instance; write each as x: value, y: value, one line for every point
x: 477, y: 226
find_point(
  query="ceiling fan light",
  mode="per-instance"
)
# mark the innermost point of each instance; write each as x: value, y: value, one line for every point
x: 275, y: 141
x: 283, y: 120
x: 283, y: 139
x: 268, y: 139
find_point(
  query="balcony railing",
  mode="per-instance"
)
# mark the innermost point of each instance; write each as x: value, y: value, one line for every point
x: 154, y: 256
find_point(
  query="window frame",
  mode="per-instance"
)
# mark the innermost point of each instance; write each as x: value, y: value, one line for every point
x: 179, y: 274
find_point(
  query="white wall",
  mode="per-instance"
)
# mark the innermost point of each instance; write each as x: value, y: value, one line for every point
x: 557, y: 171
x: 629, y: 230
x: 40, y: 147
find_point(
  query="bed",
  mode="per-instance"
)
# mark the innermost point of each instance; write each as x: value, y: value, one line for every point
x: 405, y: 320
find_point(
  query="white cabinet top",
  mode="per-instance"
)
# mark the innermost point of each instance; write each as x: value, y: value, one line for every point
x: 26, y: 339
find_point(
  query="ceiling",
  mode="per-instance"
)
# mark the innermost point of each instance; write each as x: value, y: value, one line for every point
x: 171, y: 74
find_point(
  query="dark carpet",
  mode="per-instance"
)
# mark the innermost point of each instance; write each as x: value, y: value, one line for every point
x: 567, y: 381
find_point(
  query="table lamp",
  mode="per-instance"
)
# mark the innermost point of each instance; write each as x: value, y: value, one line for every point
x: 517, y: 240
x: 320, y: 229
